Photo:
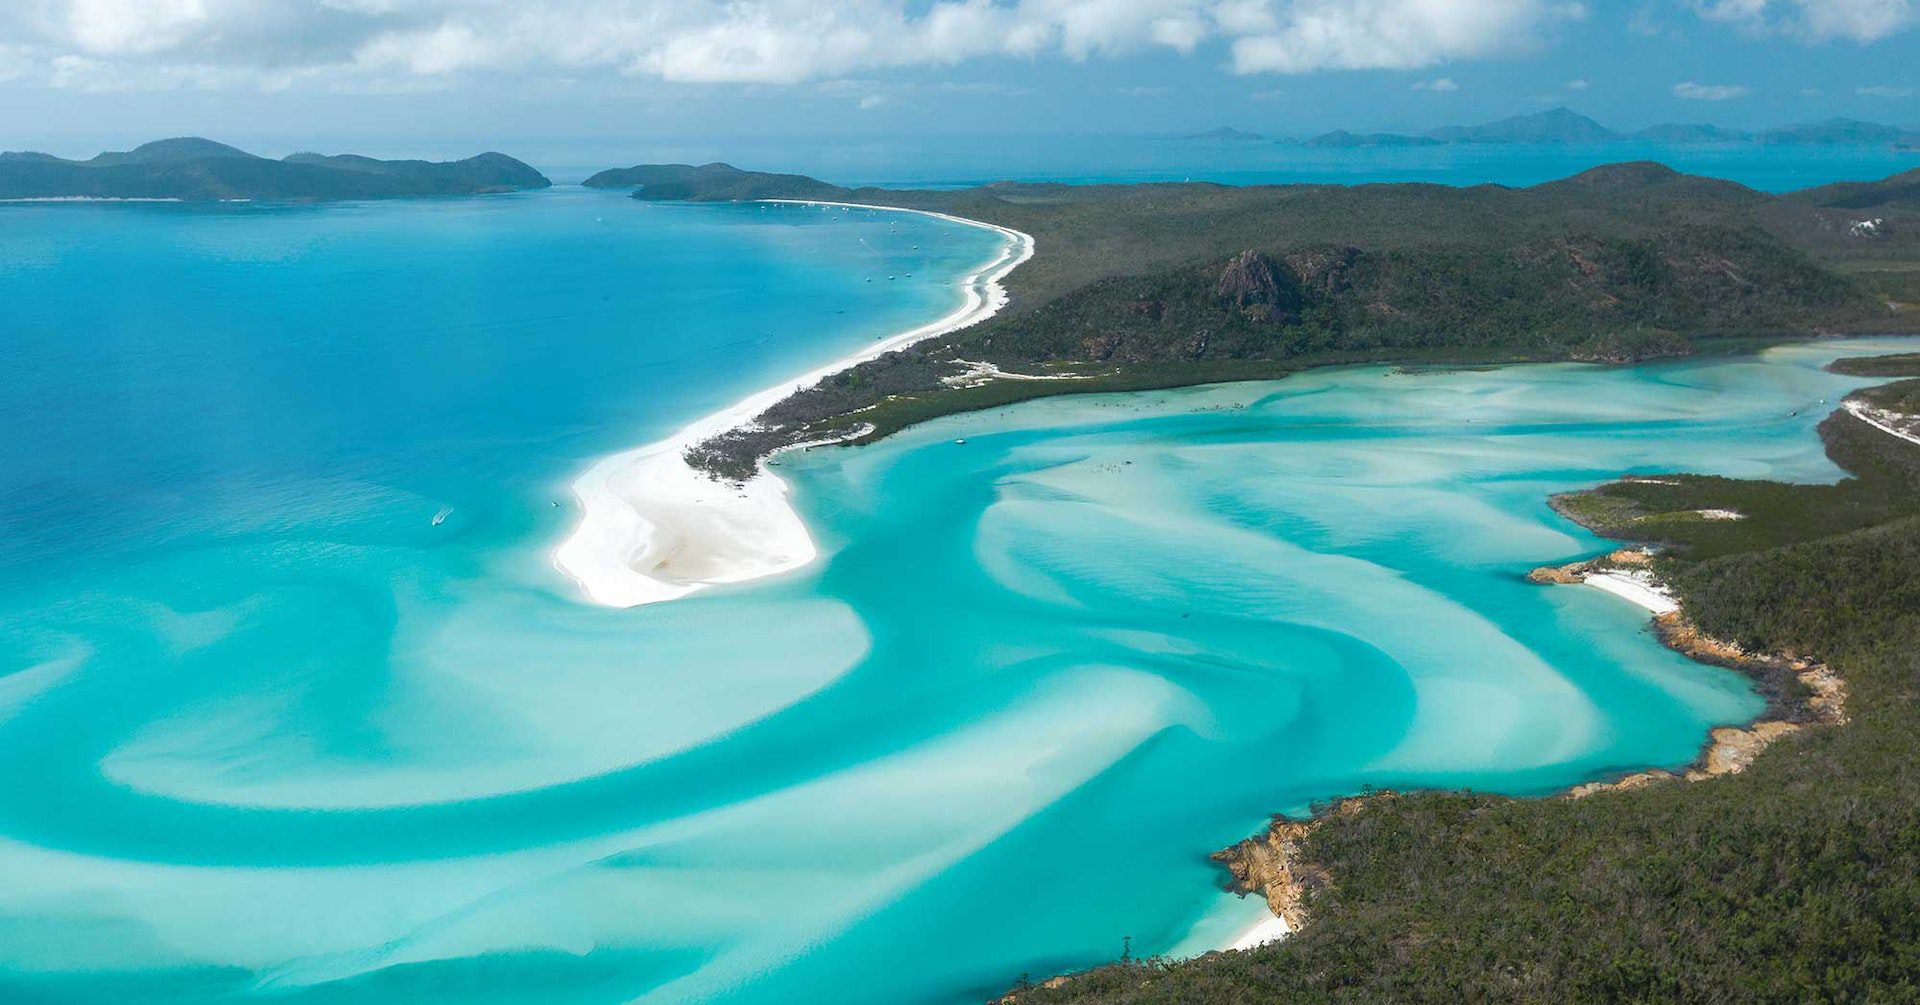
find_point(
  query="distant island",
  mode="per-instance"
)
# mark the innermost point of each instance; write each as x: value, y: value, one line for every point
x: 195, y: 170
x: 1226, y: 134
x: 1563, y: 126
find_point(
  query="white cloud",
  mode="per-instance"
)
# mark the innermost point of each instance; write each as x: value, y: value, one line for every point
x: 279, y: 42
x: 1884, y: 91
x: 873, y: 101
x: 1710, y: 92
x: 1578, y: 84
x: 1860, y: 21
x: 1308, y: 35
x: 1441, y: 84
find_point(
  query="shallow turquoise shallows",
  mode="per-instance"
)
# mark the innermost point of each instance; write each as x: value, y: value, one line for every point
x: 295, y: 708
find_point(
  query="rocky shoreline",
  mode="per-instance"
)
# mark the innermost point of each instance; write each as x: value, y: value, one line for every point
x: 1272, y: 864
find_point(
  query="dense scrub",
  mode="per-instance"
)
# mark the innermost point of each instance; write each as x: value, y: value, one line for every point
x: 1156, y: 285
x: 1903, y: 364
x: 1797, y: 880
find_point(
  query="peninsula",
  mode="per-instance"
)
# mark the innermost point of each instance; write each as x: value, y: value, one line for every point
x: 1162, y: 285
x: 190, y: 169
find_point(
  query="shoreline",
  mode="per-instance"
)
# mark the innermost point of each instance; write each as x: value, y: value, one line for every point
x: 1260, y: 933
x: 1269, y: 863
x: 652, y: 528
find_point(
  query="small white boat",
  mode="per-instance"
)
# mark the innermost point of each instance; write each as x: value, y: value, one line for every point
x: 441, y: 517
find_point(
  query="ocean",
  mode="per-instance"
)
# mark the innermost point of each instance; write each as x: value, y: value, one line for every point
x: 294, y: 706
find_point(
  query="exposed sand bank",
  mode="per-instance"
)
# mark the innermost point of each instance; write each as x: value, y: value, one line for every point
x: 653, y: 528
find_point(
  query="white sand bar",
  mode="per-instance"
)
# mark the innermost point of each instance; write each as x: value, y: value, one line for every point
x: 653, y: 528
x: 1636, y: 587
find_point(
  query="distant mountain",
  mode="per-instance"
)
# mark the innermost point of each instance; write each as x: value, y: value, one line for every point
x: 1340, y: 138
x: 1226, y: 134
x: 1676, y: 132
x: 486, y: 172
x: 196, y: 169
x: 1559, y: 125
x: 1565, y: 126
x: 174, y: 151
x: 1838, y: 132
x: 714, y: 182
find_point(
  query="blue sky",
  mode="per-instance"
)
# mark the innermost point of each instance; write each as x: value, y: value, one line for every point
x: 428, y: 76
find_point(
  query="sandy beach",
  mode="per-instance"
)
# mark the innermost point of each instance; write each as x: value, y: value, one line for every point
x: 1264, y: 931
x: 1635, y: 587
x: 653, y: 528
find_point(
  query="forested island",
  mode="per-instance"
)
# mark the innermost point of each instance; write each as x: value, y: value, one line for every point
x: 193, y: 170
x: 1161, y: 285
x: 1793, y: 879
x: 1564, y: 126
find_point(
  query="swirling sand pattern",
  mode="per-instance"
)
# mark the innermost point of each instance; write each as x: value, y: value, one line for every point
x: 1035, y: 677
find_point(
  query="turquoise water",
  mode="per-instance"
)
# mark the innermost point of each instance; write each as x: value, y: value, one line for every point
x: 267, y: 732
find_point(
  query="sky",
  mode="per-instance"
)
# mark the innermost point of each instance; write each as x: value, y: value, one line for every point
x: 432, y: 77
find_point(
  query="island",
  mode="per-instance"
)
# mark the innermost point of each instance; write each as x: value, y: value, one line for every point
x: 190, y: 169
x: 1162, y: 285
x: 1566, y: 127
x: 1782, y: 864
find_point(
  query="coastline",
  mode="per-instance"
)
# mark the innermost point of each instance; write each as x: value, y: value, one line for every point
x: 1269, y: 863
x: 652, y: 528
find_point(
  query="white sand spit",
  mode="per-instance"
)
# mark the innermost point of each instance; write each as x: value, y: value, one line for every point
x: 653, y: 528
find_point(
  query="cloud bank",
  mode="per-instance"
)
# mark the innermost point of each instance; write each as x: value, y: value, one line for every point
x: 106, y: 44
x: 274, y: 44
x: 1862, y: 21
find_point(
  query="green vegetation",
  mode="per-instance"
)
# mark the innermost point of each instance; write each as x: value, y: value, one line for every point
x: 1900, y: 364
x: 196, y: 169
x: 1156, y: 285
x: 1796, y: 880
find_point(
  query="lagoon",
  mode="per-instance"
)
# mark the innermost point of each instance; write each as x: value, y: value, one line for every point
x: 269, y: 730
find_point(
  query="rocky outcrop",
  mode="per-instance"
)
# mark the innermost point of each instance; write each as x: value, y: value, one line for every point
x: 1271, y: 864
x: 1261, y: 289
x: 1249, y: 279
x: 1577, y: 572
x: 1325, y: 273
